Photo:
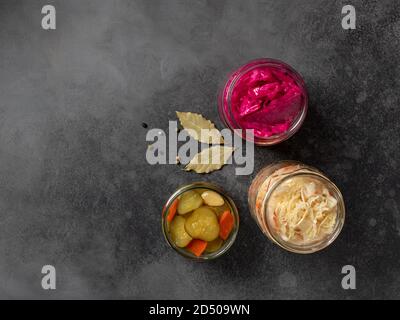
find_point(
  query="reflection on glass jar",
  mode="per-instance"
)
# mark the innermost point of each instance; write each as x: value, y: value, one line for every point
x: 296, y: 206
x: 200, y: 221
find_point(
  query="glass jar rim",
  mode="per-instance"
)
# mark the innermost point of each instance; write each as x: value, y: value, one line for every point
x: 227, y: 243
x: 313, y: 246
x: 231, y: 122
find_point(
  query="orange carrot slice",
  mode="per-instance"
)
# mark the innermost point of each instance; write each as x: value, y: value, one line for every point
x: 172, y: 210
x: 226, y: 223
x: 197, y: 247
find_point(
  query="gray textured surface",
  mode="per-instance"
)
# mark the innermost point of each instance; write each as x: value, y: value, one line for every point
x: 76, y: 191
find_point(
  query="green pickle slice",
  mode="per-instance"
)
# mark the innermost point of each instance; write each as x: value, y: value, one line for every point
x: 189, y: 201
x: 202, y: 224
x: 178, y: 233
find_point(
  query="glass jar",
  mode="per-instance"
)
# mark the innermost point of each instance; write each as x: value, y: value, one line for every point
x: 296, y: 206
x: 265, y: 95
x: 228, y: 205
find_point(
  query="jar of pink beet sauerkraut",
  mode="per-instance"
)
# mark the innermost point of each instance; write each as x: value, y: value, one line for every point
x: 267, y: 96
x: 296, y: 206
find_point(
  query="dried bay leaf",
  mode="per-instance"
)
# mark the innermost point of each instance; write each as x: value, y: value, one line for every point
x: 200, y: 128
x: 210, y: 159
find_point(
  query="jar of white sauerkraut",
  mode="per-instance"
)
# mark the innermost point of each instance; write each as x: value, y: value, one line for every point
x: 296, y: 206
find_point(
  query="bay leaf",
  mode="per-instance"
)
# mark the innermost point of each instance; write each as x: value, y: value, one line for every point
x: 210, y: 159
x: 200, y: 128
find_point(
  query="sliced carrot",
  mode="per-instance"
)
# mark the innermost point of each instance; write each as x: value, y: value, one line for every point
x: 197, y: 247
x: 172, y: 210
x: 226, y: 223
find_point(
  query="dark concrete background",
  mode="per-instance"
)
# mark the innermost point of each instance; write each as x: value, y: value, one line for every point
x: 76, y: 191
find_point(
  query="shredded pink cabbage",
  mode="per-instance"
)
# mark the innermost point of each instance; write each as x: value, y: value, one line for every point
x: 267, y: 100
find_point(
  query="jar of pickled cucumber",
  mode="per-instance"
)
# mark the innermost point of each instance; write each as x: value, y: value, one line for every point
x: 200, y: 221
x: 296, y: 206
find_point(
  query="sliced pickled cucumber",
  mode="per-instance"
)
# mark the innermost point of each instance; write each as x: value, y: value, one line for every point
x: 202, y: 224
x: 214, y: 245
x: 178, y: 233
x: 189, y: 201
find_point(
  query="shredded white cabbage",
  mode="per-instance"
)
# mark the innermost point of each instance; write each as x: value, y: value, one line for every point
x: 303, y: 210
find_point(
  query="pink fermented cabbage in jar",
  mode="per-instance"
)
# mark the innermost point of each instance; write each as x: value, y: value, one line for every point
x: 267, y: 96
